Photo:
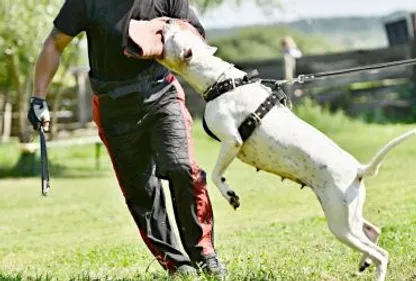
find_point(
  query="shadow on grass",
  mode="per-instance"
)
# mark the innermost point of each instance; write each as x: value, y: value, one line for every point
x: 88, y: 277
x: 29, y: 165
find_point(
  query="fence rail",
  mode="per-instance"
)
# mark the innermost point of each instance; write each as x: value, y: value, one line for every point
x: 381, y: 92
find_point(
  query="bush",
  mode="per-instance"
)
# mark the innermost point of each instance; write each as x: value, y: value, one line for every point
x: 253, y: 43
x: 321, y: 117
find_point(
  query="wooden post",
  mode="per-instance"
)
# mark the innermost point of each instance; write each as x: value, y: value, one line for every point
x: 7, y: 121
x: 2, y: 105
x: 97, y: 155
x: 413, y: 45
x: 289, y: 71
x: 82, y: 113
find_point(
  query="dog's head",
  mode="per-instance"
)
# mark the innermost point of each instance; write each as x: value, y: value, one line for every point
x: 182, y: 43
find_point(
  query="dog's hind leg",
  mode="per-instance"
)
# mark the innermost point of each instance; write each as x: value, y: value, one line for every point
x: 372, y: 232
x: 375, y: 253
x: 228, y: 152
x: 346, y: 222
x: 357, y: 239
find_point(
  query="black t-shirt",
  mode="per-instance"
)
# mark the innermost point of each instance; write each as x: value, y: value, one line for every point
x: 104, y: 22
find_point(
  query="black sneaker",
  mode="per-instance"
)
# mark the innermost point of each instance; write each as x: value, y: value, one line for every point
x: 213, y: 267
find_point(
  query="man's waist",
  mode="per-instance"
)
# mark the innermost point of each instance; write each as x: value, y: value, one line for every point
x: 152, y: 79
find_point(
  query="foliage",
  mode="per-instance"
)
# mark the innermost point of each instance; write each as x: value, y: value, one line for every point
x: 205, y: 5
x: 83, y: 230
x: 25, y: 24
x: 264, y: 42
x: 405, y: 92
x: 321, y: 117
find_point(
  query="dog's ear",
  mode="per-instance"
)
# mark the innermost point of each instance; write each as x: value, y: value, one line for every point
x: 211, y: 49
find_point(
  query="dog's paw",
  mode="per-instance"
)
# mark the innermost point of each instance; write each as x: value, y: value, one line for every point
x: 233, y: 199
x: 364, y: 266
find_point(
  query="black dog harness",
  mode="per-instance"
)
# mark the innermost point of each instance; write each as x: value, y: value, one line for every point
x: 252, y: 121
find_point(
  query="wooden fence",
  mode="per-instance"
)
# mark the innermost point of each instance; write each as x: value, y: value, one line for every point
x: 385, y: 89
x: 354, y: 93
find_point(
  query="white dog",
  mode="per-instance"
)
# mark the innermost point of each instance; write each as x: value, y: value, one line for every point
x: 283, y: 144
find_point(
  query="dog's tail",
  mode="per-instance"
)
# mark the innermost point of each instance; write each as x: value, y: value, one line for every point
x: 371, y: 169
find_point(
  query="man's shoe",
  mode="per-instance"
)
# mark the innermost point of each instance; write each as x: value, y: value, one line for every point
x: 213, y: 267
x: 184, y: 270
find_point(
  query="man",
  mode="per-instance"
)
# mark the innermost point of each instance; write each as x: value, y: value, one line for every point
x: 140, y: 113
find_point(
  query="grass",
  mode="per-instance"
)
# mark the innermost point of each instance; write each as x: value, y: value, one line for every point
x: 83, y: 231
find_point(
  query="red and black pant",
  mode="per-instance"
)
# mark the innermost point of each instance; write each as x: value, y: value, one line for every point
x: 148, y: 139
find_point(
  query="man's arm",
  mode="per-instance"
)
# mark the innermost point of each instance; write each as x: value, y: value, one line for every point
x: 70, y: 21
x: 48, y: 61
x: 180, y: 9
x: 45, y: 68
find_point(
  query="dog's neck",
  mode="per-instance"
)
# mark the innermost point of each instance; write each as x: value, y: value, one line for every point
x: 202, y: 72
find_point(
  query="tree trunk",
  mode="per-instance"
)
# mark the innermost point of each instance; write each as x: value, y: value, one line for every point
x: 84, y: 102
x: 25, y: 131
x: 413, y: 45
x: 21, y: 101
x: 2, y: 109
x: 7, y: 119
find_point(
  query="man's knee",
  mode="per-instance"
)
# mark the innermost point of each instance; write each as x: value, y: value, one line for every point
x: 184, y: 175
x: 174, y: 171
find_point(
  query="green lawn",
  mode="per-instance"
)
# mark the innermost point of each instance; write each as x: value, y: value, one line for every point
x: 84, y: 231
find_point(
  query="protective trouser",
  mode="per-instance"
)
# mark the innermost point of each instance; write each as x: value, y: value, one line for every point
x: 148, y: 138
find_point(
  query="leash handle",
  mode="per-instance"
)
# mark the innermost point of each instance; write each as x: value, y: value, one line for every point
x: 44, y: 163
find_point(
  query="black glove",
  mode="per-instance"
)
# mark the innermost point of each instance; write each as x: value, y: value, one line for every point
x: 39, y: 113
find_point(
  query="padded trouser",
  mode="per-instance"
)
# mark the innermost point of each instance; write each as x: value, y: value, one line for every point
x: 148, y: 139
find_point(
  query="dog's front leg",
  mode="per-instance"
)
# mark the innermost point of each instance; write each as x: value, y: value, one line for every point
x: 229, y: 150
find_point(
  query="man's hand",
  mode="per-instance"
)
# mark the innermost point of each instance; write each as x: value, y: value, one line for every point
x: 45, y: 68
x: 39, y: 113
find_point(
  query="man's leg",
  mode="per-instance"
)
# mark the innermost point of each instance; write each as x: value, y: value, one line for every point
x: 132, y: 161
x: 172, y: 143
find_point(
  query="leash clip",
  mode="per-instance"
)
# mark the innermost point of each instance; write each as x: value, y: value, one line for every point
x: 302, y: 78
x: 233, y: 82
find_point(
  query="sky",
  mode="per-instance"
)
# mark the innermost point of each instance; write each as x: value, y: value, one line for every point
x: 248, y: 13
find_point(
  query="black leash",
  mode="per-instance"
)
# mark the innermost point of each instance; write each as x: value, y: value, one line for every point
x: 319, y: 75
x: 278, y: 96
x: 44, y: 162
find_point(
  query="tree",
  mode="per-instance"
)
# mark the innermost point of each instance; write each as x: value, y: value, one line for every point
x: 25, y: 24
x: 256, y: 43
x: 24, y: 27
x: 266, y: 5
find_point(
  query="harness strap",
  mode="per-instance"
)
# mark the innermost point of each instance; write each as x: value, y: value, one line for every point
x: 248, y: 126
x: 227, y: 85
